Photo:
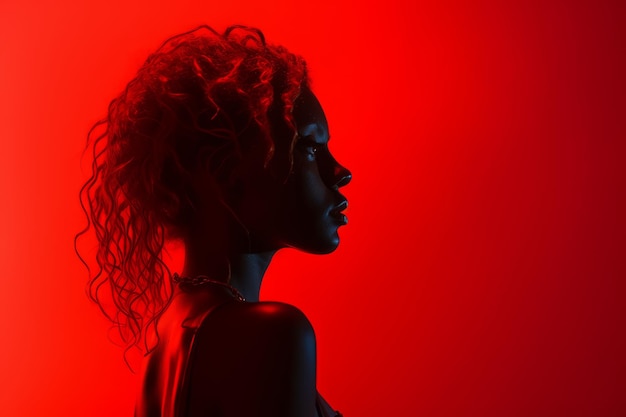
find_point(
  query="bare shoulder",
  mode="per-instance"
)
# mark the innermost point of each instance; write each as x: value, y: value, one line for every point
x: 264, y: 352
x: 272, y: 314
x: 263, y: 322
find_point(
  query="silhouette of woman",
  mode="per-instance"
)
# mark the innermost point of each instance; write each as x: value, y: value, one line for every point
x: 218, y: 143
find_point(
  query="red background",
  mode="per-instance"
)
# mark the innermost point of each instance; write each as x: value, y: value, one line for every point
x: 482, y: 272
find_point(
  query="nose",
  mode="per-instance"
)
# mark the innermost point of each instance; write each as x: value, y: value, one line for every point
x: 342, y: 175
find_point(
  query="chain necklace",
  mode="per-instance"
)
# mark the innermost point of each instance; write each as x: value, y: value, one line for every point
x: 202, y: 280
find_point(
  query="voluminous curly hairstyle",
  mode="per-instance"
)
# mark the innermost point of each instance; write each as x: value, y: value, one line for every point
x: 231, y: 94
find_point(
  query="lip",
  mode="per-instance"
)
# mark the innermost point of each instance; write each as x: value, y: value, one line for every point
x: 336, y: 212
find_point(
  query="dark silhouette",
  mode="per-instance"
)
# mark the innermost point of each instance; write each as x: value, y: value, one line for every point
x: 218, y: 143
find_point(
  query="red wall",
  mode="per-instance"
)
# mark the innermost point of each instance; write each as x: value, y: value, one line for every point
x: 482, y: 272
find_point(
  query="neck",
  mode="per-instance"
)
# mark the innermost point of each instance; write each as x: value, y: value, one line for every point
x: 244, y: 271
x: 232, y: 259
x: 248, y: 271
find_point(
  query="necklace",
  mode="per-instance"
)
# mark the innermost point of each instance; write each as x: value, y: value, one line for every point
x: 202, y: 280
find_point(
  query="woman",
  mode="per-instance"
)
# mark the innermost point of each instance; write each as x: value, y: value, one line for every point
x: 218, y: 143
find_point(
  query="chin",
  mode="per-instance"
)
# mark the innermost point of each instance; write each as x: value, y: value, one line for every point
x: 322, y: 246
x: 320, y: 240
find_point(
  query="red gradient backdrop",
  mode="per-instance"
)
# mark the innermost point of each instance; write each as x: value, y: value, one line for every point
x: 482, y: 272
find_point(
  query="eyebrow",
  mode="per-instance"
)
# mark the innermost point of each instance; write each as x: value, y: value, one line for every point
x: 310, y: 131
x: 311, y: 139
x: 313, y: 128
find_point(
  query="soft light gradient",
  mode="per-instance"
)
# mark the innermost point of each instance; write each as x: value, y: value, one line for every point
x: 482, y: 272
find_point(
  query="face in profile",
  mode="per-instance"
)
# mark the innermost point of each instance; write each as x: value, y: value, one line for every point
x: 305, y: 211
x: 312, y: 206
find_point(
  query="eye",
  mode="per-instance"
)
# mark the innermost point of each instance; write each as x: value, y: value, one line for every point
x: 312, y: 149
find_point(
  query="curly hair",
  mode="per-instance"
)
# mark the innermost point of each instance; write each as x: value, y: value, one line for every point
x: 230, y: 93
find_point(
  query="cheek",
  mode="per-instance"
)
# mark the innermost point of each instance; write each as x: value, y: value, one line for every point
x: 306, y: 201
x: 314, y: 198
x: 306, y: 223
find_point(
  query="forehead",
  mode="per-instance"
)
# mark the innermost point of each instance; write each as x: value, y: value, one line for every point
x: 309, y: 116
